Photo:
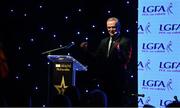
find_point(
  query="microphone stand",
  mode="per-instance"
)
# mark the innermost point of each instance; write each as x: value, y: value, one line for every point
x: 49, y: 51
x: 65, y: 47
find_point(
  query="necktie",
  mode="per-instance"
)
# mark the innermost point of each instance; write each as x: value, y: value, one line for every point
x: 109, y: 46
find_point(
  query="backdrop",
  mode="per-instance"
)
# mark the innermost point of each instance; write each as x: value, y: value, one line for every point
x: 158, y: 51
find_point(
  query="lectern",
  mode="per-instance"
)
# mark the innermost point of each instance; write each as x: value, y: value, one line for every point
x: 64, y: 71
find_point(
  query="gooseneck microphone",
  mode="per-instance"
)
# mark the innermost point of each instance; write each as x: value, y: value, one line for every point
x: 176, y: 99
x: 69, y: 45
x: 64, y: 47
x: 137, y: 95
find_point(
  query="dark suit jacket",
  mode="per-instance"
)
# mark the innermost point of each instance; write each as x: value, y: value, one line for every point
x: 113, y: 67
x: 119, y: 52
x: 110, y: 71
x: 102, y: 67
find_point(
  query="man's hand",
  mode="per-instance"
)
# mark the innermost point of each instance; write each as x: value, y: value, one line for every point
x: 84, y: 45
x: 117, y: 46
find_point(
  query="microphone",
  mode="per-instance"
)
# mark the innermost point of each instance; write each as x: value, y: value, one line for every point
x: 176, y: 99
x: 69, y: 45
x: 65, y: 47
x: 137, y: 95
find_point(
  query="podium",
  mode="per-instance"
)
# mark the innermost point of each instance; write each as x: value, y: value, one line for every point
x: 64, y: 71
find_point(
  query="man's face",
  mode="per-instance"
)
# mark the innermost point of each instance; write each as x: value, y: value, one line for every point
x: 111, y: 27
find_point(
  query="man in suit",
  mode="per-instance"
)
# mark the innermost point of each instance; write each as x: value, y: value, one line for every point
x: 111, y: 63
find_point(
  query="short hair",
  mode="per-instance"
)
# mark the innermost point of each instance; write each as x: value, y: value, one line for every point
x: 113, y: 19
x: 117, y: 22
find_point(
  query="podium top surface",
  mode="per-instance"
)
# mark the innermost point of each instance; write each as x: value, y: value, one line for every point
x: 66, y: 58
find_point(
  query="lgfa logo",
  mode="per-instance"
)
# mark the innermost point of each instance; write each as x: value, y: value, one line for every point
x: 157, y: 85
x: 157, y: 47
x: 169, y: 29
x: 144, y: 29
x: 169, y: 66
x: 164, y: 103
x: 157, y: 10
x: 144, y: 66
x: 143, y: 101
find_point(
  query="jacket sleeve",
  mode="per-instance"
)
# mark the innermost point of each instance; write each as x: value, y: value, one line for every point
x: 124, y: 51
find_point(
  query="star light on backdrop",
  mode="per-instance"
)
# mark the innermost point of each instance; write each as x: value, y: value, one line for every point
x: 40, y: 6
x: 54, y: 35
x: 19, y: 48
x: 53, y: 24
x: 12, y: 10
x: 66, y: 17
x: 79, y: 10
x: 17, y: 77
x: 25, y: 14
x: 109, y: 11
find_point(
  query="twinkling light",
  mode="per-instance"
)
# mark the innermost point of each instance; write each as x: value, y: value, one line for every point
x: 72, y: 43
x: 86, y: 38
x: 127, y: 2
x: 19, y: 48
x: 29, y: 65
x: 66, y: 17
x: 32, y: 39
x: 109, y: 11
x: 103, y: 32
x: 127, y: 30
x: 36, y: 88
x: 11, y: 10
x: 54, y: 35
x: 60, y: 45
x: 42, y: 28
x: 79, y: 10
x: 132, y: 76
x: 40, y: 6
x: 86, y: 90
x: 93, y: 26
x: 25, y: 14
x: 17, y: 77
x: 98, y: 85
x: 78, y: 33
